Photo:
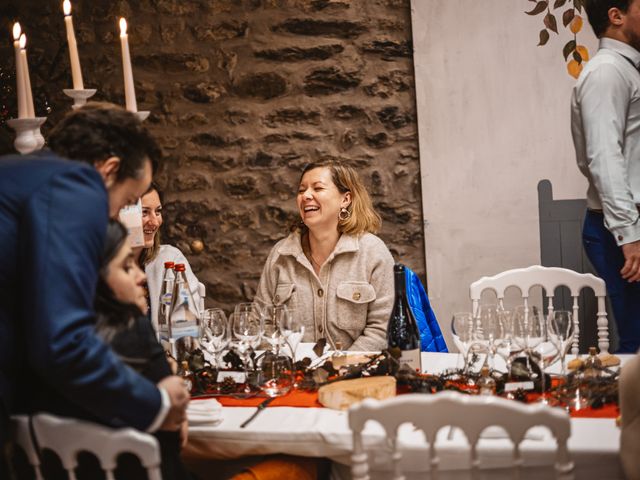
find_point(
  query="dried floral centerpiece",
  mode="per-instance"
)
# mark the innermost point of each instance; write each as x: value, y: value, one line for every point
x: 592, y: 386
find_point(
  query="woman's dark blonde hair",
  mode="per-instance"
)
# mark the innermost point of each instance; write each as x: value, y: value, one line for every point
x: 149, y: 254
x: 362, y: 216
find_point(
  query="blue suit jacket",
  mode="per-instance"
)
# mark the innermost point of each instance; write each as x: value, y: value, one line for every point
x: 53, y: 217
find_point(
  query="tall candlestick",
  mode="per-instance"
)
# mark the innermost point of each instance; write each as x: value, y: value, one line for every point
x: 129, y: 90
x: 27, y: 79
x: 20, y: 85
x: 76, y: 72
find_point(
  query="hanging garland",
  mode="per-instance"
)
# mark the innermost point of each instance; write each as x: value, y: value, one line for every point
x: 572, y: 20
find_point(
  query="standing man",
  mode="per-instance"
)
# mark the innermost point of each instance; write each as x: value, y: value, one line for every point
x: 53, y: 220
x: 605, y: 123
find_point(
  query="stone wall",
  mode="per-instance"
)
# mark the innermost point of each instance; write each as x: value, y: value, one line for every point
x: 242, y: 95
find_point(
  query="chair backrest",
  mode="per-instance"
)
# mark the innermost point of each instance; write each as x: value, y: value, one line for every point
x: 67, y: 437
x: 549, y: 278
x: 472, y: 414
x: 202, y: 291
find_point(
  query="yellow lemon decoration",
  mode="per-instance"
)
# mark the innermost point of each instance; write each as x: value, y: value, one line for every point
x: 576, y: 24
x: 584, y: 53
x: 574, y: 68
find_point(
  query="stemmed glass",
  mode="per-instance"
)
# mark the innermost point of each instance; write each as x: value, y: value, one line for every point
x: 529, y: 333
x: 274, y: 316
x: 292, y: 330
x: 250, y: 308
x: 215, y: 333
x: 505, y: 317
x: 561, y: 332
x: 528, y: 327
x: 246, y: 331
x: 462, y: 327
x: 490, y: 331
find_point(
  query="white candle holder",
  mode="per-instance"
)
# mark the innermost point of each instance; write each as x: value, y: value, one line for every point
x: 28, y: 136
x: 142, y: 116
x: 79, y: 96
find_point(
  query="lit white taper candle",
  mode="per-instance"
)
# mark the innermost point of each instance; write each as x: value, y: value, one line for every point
x: 74, y: 59
x: 20, y: 85
x: 27, y: 79
x: 129, y: 90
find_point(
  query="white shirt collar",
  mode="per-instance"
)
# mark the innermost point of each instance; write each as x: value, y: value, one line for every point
x: 622, y: 48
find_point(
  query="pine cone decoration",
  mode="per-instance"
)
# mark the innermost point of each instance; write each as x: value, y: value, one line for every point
x: 228, y: 385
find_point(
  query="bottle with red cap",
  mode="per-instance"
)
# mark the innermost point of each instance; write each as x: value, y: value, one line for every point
x: 184, y: 317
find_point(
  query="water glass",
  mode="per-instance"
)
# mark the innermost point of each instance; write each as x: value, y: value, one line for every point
x: 276, y: 375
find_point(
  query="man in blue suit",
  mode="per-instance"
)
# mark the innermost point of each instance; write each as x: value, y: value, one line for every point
x: 53, y: 218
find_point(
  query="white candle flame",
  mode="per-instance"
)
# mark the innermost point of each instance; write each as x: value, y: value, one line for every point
x: 66, y: 7
x: 16, y: 31
x: 123, y: 26
x: 23, y: 41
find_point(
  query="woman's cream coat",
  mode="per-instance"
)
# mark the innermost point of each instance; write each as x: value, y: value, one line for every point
x: 349, y: 302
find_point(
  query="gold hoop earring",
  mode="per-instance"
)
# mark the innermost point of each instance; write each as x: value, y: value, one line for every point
x: 344, y: 214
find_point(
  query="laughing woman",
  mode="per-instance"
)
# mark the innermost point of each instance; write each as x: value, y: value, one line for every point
x: 153, y: 255
x: 332, y: 269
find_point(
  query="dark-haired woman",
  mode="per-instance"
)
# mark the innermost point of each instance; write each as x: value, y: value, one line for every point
x: 120, y: 303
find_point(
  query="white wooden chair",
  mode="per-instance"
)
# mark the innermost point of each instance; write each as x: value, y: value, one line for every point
x: 549, y: 278
x: 67, y: 437
x: 472, y: 414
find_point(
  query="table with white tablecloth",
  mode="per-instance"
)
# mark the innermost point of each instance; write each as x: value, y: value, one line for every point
x: 322, y: 432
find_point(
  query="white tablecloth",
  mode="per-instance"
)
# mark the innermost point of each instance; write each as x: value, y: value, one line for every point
x: 321, y: 432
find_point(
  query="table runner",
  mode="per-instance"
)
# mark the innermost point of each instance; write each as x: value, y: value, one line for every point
x: 299, y: 398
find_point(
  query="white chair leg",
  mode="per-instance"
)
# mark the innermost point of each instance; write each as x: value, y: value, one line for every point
x: 603, y: 327
x: 359, y: 465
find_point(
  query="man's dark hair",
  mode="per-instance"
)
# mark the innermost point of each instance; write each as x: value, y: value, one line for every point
x: 98, y: 131
x: 598, y: 13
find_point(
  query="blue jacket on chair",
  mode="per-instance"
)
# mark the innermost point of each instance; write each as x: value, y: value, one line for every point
x: 431, y: 339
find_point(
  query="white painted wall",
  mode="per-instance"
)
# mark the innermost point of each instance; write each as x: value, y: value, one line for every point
x: 493, y: 116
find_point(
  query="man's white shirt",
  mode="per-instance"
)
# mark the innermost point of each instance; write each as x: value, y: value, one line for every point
x: 605, y: 124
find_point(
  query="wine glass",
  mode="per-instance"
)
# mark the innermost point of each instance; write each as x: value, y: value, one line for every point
x: 531, y: 331
x: 276, y: 375
x: 462, y: 327
x: 504, y: 349
x: 292, y: 330
x: 561, y: 332
x: 528, y: 327
x: 215, y: 333
x: 246, y: 332
x: 490, y: 329
x: 273, y: 317
x: 252, y: 309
